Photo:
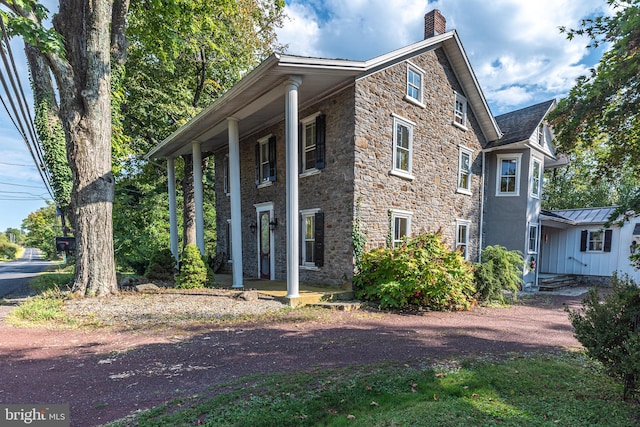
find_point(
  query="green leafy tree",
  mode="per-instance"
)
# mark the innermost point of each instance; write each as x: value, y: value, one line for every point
x: 78, y: 52
x: 42, y: 230
x: 605, y: 105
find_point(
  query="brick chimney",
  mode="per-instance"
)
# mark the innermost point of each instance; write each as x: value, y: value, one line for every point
x: 434, y: 24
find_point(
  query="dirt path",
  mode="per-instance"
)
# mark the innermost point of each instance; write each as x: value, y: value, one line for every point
x: 106, y: 375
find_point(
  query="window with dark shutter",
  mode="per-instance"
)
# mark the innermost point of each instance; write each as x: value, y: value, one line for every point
x: 608, y: 234
x: 319, y: 235
x: 583, y: 240
x: 272, y: 158
x: 321, y: 132
x: 258, y: 163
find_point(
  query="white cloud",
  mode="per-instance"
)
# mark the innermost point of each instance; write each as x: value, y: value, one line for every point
x: 515, y: 46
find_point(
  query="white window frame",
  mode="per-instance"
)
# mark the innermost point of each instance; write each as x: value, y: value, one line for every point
x: 400, y: 214
x: 518, y: 158
x: 304, y: 215
x: 542, y: 135
x: 462, y: 152
x: 264, y: 142
x: 536, y: 238
x: 412, y: 68
x: 590, y: 240
x: 534, y: 181
x: 400, y: 121
x: 463, y: 223
x: 460, y: 116
x: 304, y: 171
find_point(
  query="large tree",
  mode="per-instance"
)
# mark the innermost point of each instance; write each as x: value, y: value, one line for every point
x: 78, y: 52
x: 605, y: 105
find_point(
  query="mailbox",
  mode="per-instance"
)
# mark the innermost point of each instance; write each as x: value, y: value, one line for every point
x: 66, y: 244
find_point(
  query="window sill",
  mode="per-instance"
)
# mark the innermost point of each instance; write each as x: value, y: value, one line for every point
x: 265, y: 184
x: 459, y: 126
x: 227, y: 194
x: 507, y: 194
x: 414, y: 101
x: 402, y: 174
x: 535, y: 196
x: 464, y: 191
x: 309, y: 267
x: 310, y: 172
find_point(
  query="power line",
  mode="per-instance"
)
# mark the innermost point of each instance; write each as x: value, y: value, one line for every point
x: 20, y: 185
x: 34, y: 148
x: 18, y: 164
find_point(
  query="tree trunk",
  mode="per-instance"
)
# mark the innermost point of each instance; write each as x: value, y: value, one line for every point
x: 84, y: 85
x: 189, y: 204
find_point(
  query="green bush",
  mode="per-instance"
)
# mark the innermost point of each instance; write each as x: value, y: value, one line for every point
x: 609, y: 330
x: 8, y: 250
x: 420, y: 273
x: 193, y: 271
x: 498, y: 270
x: 162, y: 266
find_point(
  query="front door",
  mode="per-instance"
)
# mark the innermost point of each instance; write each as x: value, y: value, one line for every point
x: 264, y: 218
x: 265, y: 221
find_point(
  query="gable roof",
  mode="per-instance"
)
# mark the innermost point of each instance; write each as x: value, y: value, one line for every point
x: 519, y: 125
x: 256, y: 100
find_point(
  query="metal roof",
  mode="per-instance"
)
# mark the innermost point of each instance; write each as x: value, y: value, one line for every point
x: 585, y: 215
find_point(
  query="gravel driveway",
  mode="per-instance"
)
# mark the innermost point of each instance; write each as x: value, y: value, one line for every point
x: 106, y: 374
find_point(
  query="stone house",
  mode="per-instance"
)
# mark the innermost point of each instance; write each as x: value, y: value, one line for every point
x: 304, y: 147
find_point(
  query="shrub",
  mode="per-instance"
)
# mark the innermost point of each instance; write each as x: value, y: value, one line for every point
x: 193, y: 272
x: 8, y: 250
x: 609, y: 330
x: 498, y: 270
x: 421, y: 272
x: 162, y: 266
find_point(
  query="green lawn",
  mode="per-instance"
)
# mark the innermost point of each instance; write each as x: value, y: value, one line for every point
x: 554, y: 390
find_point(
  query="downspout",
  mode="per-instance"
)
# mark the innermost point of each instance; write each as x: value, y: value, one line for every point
x: 482, y: 182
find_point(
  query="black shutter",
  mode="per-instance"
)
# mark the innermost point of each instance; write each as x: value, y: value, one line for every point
x: 300, y: 149
x: 272, y: 158
x: 608, y: 234
x: 321, y: 135
x: 583, y: 241
x: 319, y: 236
x: 257, y: 163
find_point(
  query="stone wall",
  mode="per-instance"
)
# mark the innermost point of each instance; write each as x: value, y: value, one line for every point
x: 331, y: 191
x: 432, y: 196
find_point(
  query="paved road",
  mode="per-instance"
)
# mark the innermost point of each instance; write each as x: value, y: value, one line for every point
x: 15, y: 275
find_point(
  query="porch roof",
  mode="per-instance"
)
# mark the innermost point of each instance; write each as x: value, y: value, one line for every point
x: 584, y: 216
x: 256, y: 101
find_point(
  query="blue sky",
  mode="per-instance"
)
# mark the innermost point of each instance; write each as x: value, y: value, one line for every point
x: 515, y: 48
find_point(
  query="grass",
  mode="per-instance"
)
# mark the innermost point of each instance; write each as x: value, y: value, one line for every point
x: 59, y: 278
x: 46, y: 309
x: 540, y: 390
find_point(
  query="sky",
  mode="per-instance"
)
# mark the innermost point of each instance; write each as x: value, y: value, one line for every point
x: 515, y: 48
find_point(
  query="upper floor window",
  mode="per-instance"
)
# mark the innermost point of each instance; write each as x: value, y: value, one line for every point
x: 464, y: 170
x: 266, y: 160
x: 542, y: 135
x: 402, y: 147
x: 460, y: 111
x: 400, y: 226
x: 312, y: 143
x: 415, y: 77
x: 508, y: 175
x: 536, y: 177
x: 462, y: 237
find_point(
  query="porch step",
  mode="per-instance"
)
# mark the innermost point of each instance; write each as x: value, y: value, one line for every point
x: 557, y: 282
x: 310, y: 298
x: 339, y: 306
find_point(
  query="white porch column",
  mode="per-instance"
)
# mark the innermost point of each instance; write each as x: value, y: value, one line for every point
x: 236, y: 208
x: 293, y: 226
x: 198, y: 196
x: 173, y: 216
